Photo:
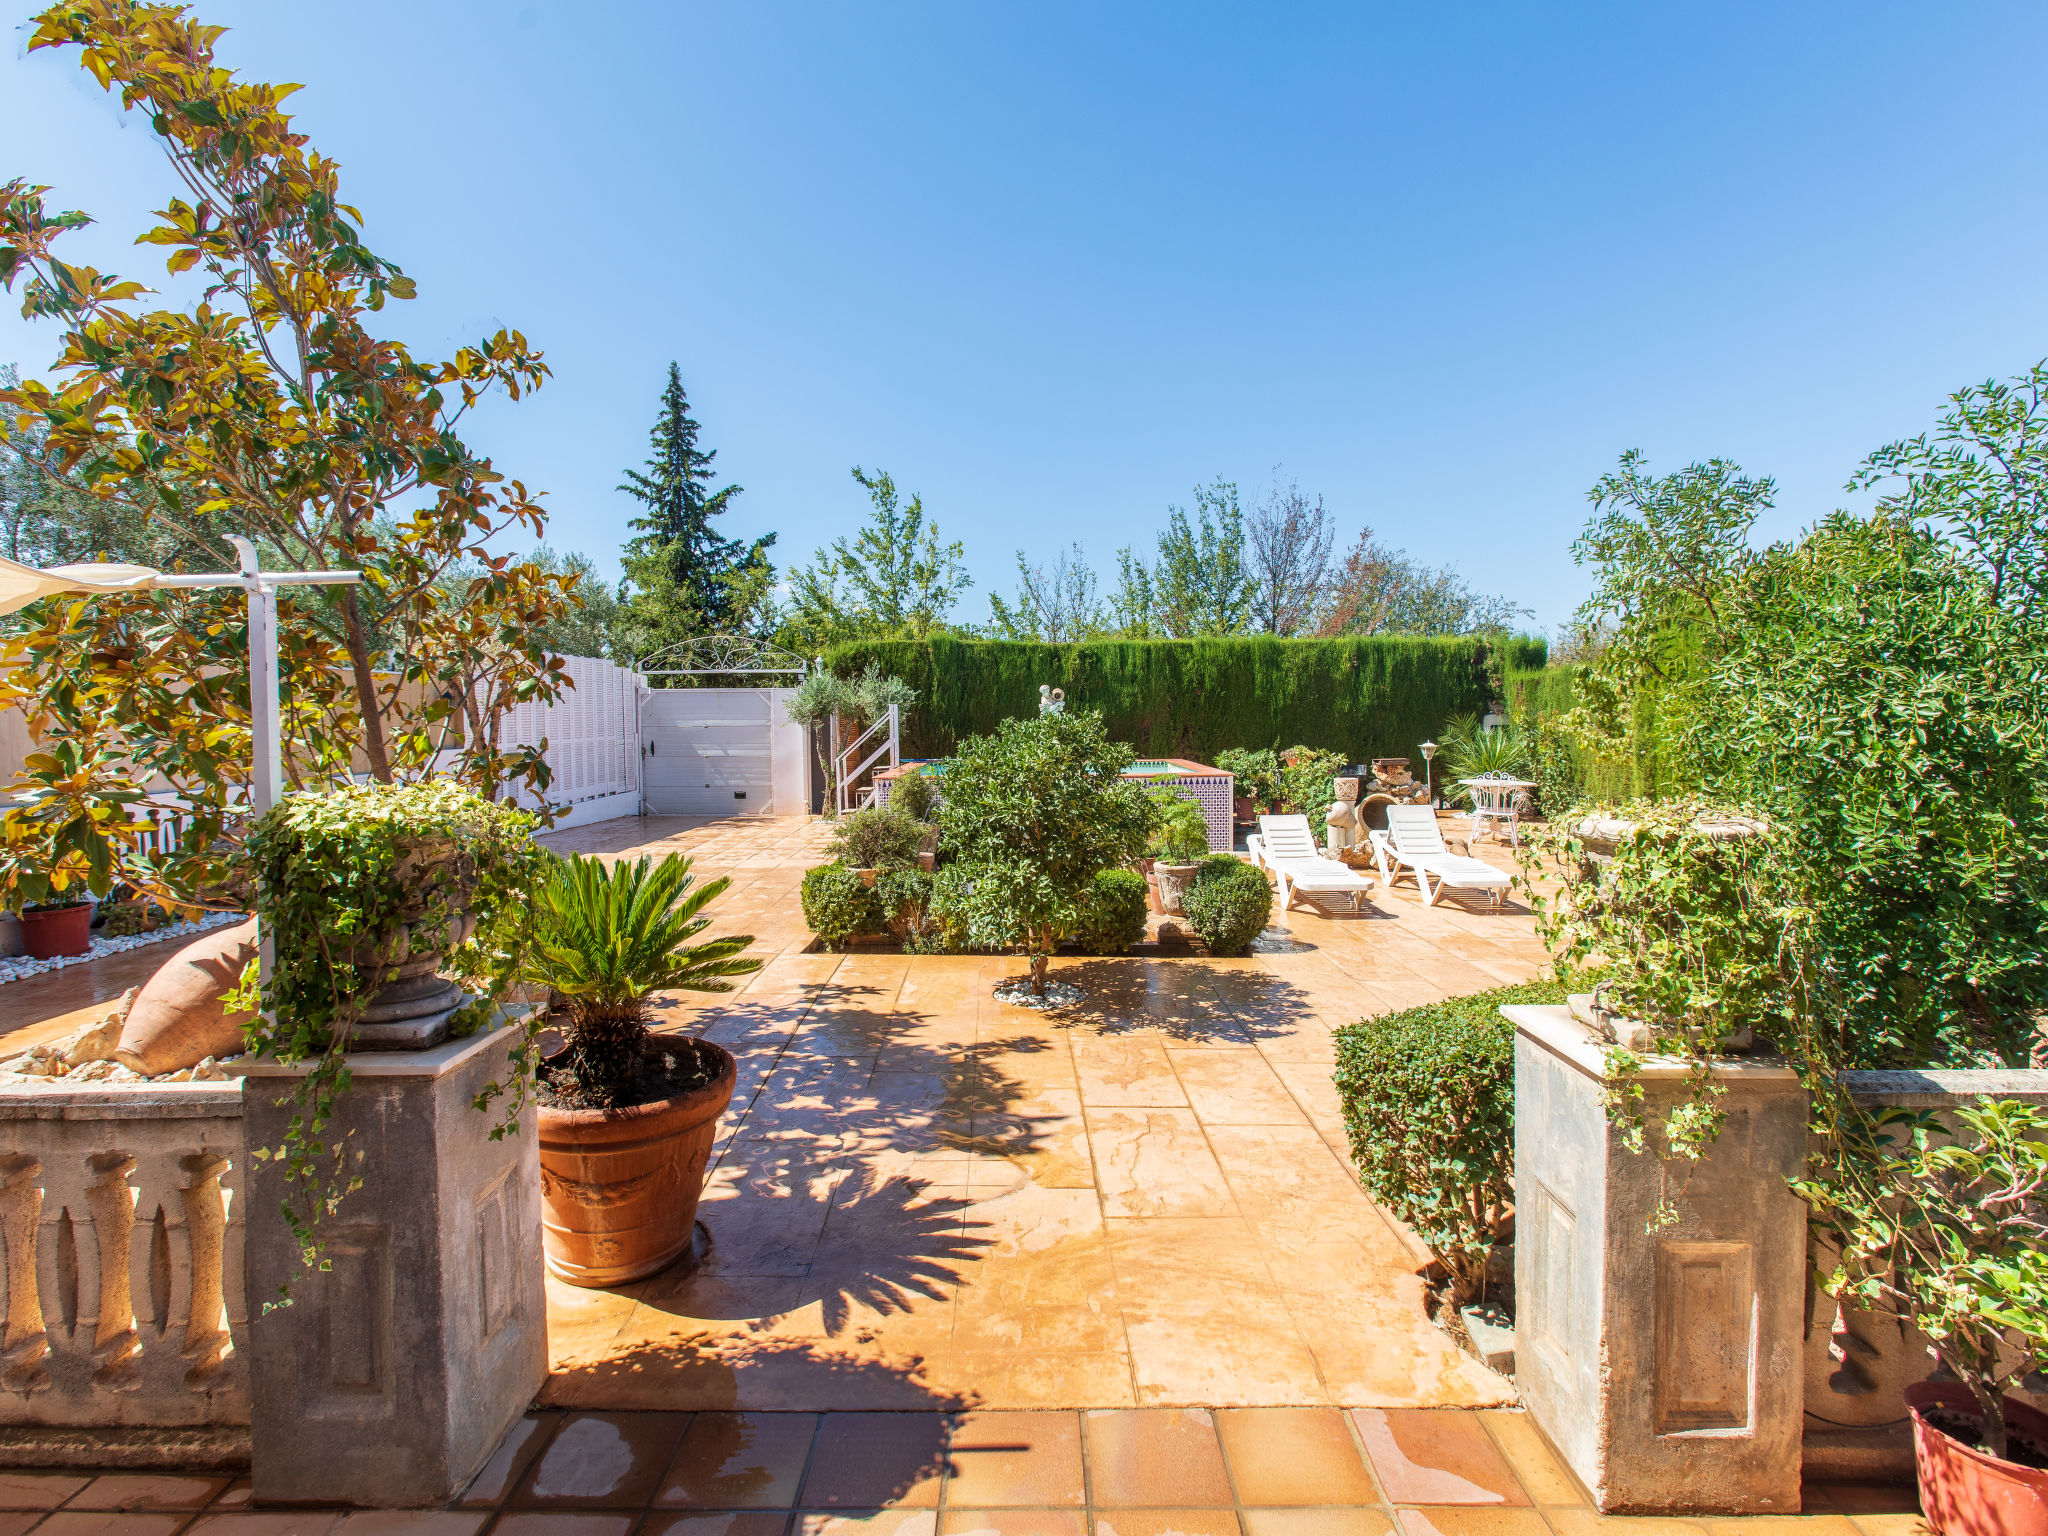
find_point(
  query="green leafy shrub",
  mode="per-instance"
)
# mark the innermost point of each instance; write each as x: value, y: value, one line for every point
x: 879, y: 837
x: 1180, y: 832
x: 1033, y: 812
x: 1257, y: 771
x: 838, y: 906
x: 1429, y: 1106
x: 1228, y: 903
x: 915, y: 795
x: 1305, y: 786
x: 905, y: 899
x: 1113, y: 916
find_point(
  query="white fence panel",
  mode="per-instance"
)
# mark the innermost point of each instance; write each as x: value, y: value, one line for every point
x: 593, y: 738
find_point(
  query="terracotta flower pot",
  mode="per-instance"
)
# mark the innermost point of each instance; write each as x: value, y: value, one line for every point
x: 58, y: 932
x: 1965, y: 1491
x: 1173, y: 883
x: 619, y: 1187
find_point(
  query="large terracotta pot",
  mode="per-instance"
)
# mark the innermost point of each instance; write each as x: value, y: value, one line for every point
x: 1966, y: 1492
x: 1173, y: 884
x: 57, y: 932
x: 177, y: 1020
x: 619, y: 1187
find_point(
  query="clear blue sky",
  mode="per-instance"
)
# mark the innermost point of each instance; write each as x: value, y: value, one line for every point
x: 1053, y: 264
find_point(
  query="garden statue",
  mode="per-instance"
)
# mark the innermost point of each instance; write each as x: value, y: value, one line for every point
x: 1051, y: 700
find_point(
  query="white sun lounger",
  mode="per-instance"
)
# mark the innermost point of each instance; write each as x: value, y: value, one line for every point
x: 1413, y: 841
x: 1286, y: 846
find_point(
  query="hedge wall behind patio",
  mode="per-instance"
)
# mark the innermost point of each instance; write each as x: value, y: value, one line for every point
x: 1195, y: 698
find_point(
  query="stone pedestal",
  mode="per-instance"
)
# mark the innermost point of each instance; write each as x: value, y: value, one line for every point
x: 394, y: 1374
x: 1664, y: 1363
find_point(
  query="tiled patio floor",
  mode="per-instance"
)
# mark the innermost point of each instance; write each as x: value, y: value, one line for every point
x: 1109, y: 1472
x: 925, y: 1198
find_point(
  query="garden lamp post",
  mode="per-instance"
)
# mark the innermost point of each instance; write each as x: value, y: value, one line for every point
x: 1429, y: 771
x: 21, y: 585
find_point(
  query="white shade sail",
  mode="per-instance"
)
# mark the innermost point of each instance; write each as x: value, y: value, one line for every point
x: 21, y: 585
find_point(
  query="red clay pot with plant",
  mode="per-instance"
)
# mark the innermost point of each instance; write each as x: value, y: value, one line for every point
x: 627, y: 1119
x: 1966, y: 1491
x: 53, y: 933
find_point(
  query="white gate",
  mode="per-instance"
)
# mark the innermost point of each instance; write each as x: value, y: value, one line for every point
x: 592, y: 734
x: 722, y: 752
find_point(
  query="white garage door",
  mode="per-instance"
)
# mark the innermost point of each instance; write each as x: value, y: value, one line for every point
x: 708, y: 751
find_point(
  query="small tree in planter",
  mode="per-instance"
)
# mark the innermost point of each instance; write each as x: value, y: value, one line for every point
x: 1946, y: 1230
x: 1033, y: 811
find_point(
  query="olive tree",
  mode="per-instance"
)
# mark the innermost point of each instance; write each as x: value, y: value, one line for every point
x: 1033, y: 811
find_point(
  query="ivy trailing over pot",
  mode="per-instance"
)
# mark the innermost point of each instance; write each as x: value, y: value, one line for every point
x: 350, y: 885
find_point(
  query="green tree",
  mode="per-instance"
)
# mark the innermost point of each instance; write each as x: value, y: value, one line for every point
x: 1057, y: 605
x: 894, y: 579
x: 1033, y: 812
x: 685, y: 578
x: 1201, y: 584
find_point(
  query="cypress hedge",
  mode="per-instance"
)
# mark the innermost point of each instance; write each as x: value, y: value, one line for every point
x: 1377, y: 697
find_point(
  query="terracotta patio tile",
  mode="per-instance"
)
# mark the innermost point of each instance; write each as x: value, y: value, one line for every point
x: 1892, y: 1525
x: 1542, y: 1475
x: 1166, y: 1522
x: 1015, y: 1460
x: 1587, y: 1522
x: 558, y: 1522
x: 739, y: 1461
x: 1455, y: 1520
x: 1428, y: 1457
x: 1126, y: 1072
x: 745, y: 1522
x: 412, y: 1522
x: 603, y: 1460
x: 1783, y: 1525
x: 270, y: 1522
x: 1857, y: 1499
x: 146, y: 1491
x: 38, y: 1490
x: 1013, y: 1522
x: 1155, y: 1458
x: 15, y: 1522
x: 511, y: 1459
x: 1155, y: 1162
x: 873, y: 1522
x: 871, y: 1460
x: 1035, y: 1379
x: 96, y: 1523
x: 1317, y: 1522
x: 1294, y: 1456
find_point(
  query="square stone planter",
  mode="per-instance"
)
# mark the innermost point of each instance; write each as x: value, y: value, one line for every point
x: 1663, y: 1361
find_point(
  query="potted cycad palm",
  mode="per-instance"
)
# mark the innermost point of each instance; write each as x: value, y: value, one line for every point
x: 627, y: 1117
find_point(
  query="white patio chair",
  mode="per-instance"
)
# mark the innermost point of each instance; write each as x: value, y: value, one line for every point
x: 1413, y: 841
x: 1286, y: 846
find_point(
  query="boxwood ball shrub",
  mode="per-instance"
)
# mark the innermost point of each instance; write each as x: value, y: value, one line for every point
x: 838, y: 906
x: 1113, y: 913
x: 1429, y: 1105
x: 915, y: 795
x: 1228, y: 903
x: 879, y: 837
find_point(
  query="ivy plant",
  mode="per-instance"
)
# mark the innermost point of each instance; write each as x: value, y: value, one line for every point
x: 342, y: 881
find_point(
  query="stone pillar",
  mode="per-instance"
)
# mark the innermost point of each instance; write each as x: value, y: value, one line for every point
x: 393, y: 1375
x: 1664, y: 1363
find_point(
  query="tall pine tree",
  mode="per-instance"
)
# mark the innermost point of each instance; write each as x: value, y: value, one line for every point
x: 687, y: 579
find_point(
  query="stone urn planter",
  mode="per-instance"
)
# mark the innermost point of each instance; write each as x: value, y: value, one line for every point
x: 411, y: 1008
x: 1969, y: 1492
x: 1172, y: 880
x: 619, y: 1187
x: 53, y: 933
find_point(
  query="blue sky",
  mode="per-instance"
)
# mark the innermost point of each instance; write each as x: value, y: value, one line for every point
x: 1051, y: 265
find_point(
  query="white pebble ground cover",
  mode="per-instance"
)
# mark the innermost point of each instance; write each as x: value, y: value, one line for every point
x: 18, y: 967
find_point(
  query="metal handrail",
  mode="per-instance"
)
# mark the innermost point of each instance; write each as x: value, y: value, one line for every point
x: 845, y: 777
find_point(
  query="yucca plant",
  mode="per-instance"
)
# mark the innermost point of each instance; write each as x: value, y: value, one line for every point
x: 608, y: 936
x: 1472, y: 750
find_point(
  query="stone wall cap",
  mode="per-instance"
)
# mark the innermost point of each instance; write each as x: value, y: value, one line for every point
x: 435, y: 1061
x: 1554, y: 1028
x: 121, y: 1101
x: 1939, y: 1088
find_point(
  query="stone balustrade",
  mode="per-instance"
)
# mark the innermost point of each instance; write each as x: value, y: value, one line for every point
x: 121, y: 1246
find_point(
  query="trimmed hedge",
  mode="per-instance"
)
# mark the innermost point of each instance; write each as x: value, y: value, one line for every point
x: 1429, y: 1104
x: 1228, y: 903
x: 1113, y: 918
x: 1195, y: 698
x: 838, y: 906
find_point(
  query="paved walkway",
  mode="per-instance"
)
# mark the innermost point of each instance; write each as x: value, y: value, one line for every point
x: 927, y: 1198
